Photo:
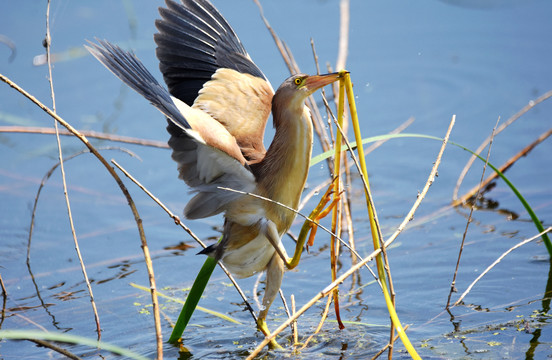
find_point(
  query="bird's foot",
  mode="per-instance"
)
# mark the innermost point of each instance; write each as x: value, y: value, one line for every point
x: 261, y: 325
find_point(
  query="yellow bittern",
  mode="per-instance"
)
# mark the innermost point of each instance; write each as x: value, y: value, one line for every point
x: 217, y: 105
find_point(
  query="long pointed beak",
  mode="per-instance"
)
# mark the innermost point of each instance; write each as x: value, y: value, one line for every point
x: 315, y: 82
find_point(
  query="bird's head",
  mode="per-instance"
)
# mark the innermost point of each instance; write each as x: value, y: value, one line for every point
x: 295, y: 89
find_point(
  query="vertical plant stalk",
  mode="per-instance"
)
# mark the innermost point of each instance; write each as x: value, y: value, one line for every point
x: 192, y: 300
x: 4, y: 301
x: 336, y: 194
x: 93, y: 150
x: 344, y: 14
x: 294, y: 324
x: 341, y: 63
x: 453, y: 283
x: 31, y: 230
x: 374, y: 225
x: 344, y: 204
x: 47, y: 43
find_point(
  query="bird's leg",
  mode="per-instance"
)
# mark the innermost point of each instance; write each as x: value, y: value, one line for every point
x: 269, y: 229
x: 275, y: 268
x: 274, y: 275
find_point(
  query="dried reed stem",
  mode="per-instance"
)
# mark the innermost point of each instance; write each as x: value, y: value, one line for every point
x: 547, y: 230
x: 55, y: 348
x: 343, y: 44
x: 93, y: 150
x: 453, y: 283
x: 87, y: 133
x: 47, y: 43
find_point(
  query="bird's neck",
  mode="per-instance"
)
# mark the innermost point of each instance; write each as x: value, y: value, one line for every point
x: 283, y: 171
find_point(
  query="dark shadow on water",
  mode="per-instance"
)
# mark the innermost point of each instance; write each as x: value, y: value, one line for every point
x: 534, y: 342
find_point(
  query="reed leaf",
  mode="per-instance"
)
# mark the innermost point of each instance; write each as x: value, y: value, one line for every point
x: 68, y: 338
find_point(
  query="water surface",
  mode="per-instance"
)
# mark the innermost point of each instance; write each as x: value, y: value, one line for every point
x: 427, y: 60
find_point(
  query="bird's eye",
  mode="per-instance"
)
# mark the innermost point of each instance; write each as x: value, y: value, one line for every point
x: 297, y: 81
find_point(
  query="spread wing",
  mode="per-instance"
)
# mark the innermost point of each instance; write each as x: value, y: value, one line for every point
x: 205, y: 65
x: 207, y: 154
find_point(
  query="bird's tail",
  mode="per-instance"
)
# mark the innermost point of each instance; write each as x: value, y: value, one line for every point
x: 209, y: 250
x: 126, y: 66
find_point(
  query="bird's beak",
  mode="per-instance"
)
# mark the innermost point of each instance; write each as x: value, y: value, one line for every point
x: 315, y: 82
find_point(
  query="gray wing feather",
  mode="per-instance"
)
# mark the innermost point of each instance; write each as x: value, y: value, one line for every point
x: 195, y: 40
x: 221, y: 170
x: 126, y: 66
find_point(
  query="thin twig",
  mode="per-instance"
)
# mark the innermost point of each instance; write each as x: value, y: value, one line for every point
x: 87, y: 133
x: 43, y: 183
x: 145, y: 249
x: 4, y: 291
x: 388, y: 345
x: 48, y: 42
x: 320, y: 323
x: 177, y: 221
x: 31, y: 230
x: 292, y: 326
x: 453, y: 283
x: 497, y: 261
x: 279, y: 44
x: 516, y: 116
x: 4, y: 301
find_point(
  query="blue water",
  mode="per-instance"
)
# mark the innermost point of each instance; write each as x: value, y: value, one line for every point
x: 480, y: 60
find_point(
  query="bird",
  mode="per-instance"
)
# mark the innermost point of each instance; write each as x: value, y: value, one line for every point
x: 217, y: 106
